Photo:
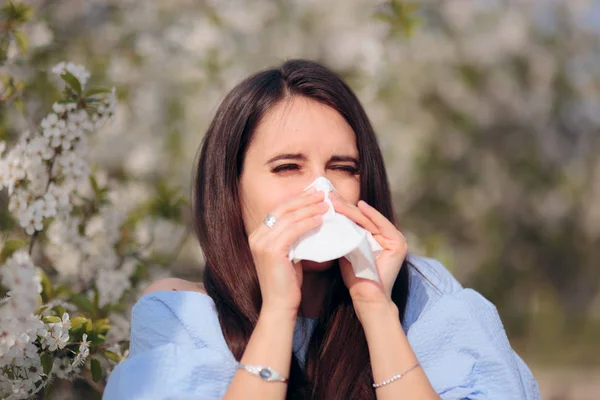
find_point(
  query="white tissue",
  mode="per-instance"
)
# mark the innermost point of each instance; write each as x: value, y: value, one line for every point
x: 338, y: 236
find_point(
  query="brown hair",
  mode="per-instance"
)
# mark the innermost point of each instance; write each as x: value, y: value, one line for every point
x: 338, y: 364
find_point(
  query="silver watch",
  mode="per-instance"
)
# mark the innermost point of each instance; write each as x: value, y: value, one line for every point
x: 264, y: 372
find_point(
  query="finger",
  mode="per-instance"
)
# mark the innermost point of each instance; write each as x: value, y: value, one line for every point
x: 292, y: 217
x: 307, y: 198
x: 297, y: 202
x: 346, y: 271
x: 279, y: 241
x: 295, y: 230
x: 384, y: 225
x: 270, y: 236
x: 354, y: 213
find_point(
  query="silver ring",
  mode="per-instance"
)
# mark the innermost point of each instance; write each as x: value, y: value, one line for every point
x: 270, y: 220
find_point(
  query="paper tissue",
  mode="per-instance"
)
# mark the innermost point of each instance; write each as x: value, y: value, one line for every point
x: 338, y: 236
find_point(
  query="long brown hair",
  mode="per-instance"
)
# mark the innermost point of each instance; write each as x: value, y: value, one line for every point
x: 338, y: 364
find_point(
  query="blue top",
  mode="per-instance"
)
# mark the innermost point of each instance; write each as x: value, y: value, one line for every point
x: 178, y: 350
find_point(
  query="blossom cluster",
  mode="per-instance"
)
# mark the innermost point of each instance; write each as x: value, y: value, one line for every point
x: 24, y: 334
x: 43, y: 173
x: 92, y: 245
x: 43, y: 169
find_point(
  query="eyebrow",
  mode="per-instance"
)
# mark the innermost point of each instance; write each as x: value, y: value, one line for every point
x: 302, y: 157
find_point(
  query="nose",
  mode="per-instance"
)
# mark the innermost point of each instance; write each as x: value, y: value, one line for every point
x: 316, y: 172
x: 321, y: 183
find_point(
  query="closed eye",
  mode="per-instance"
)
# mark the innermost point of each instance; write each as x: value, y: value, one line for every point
x: 285, y: 167
x: 289, y: 167
x: 347, y: 168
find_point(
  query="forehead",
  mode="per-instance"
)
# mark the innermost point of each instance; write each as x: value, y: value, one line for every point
x: 304, y: 125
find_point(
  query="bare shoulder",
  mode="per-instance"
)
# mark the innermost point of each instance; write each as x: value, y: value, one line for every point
x: 175, y: 284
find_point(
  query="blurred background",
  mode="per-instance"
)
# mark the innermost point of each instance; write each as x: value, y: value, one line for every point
x: 487, y: 111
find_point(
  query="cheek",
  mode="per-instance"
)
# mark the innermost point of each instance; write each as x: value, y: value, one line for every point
x: 349, y: 190
x: 261, y: 200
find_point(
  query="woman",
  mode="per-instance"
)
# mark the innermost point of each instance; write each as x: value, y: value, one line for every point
x: 323, y: 333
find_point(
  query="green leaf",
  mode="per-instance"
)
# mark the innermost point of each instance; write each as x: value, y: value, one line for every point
x: 20, y: 106
x: 94, y: 184
x: 111, y: 356
x: 102, y: 325
x: 400, y: 15
x: 51, y: 319
x: 22, y: 41
x: 96, y: 301
x: 46, y: 287
x: 78, y: 322
x: 83, y: 303
x: 10, y: 246
x: 60, y: 290
x: 42, y: 309
x: 93, y: 91
x: 59, y: 310
x: 96, y: 370
x: 73, y: 82
x: 16, y: 12
x: 47, y: 360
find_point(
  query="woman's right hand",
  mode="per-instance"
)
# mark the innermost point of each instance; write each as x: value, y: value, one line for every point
x: 280, y: 279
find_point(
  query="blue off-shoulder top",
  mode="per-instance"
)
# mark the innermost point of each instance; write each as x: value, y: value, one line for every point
x: 178, y: 351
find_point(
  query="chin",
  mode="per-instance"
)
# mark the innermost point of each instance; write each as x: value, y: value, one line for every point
x: 313, y: 266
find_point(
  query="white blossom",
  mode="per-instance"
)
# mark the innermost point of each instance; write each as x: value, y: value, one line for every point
x: 73, y: 167
x: 158, y: 235
x: 106, y: 109
x: 112, y: 283
x: 78, y: 71
x: 83, y: 353
x: 61, y: 108
x: 54, y: 129
x: 58, y: 334
x: 19, y: 275
x: 63, y: 368
x: 19, y: 326
x: 43, y: 171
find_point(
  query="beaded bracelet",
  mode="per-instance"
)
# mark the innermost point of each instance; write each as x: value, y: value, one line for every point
x: 395, y: 377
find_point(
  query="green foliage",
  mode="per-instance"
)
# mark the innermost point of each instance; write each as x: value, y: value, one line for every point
x: 96, y: 370
x: 47, y: 362
x: 47, y: 290
x: 400, y: 15
x: 12, y: 15
x: 16, y: 12
x: 51, y: 319
x: 72, y: 82
x: 79, y: 323
x: 9, y: 247
x: 111, y: 355
x: 83, y: 303
x: 22, y: 41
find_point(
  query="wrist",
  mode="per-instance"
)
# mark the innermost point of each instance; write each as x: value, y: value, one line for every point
x: 373, y: 312
x: 277, y: 315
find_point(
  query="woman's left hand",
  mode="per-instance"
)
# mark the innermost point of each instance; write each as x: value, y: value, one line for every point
x: 365, y: 292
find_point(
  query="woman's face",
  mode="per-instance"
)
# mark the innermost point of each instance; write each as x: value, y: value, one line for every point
x: 297, y: 141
